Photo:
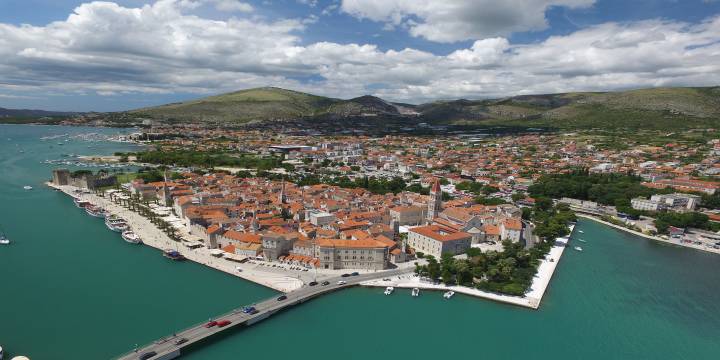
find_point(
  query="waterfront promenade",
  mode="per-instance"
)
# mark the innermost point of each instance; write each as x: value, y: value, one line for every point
x: 531, y: 299
x: 651, y: 237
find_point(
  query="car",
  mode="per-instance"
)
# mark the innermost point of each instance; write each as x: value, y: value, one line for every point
x: 211, y: 324
x: 180, y: 341
x: 312, y: 283
x: 249, y: 310
x: 281, y: 298
x: 341, y: 282
x: 354, y: 273
x: 325, y: 283
x: 147, y: 355
x: 345, y: 275
x: 223, y: 323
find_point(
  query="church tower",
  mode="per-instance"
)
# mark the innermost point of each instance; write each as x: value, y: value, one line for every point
x: 282, y: 192
x: 435, y: 203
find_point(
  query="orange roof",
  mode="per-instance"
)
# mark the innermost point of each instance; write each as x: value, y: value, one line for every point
x: 337, y: 243
x: 243, y: 237
x: 440, y: 233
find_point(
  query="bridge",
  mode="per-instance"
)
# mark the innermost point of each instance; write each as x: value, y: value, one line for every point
x: 167, y: 348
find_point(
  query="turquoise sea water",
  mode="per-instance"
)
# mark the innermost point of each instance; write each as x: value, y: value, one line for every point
x: 71, y: 289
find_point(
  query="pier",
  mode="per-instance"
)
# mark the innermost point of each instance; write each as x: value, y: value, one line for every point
x: 166, y: 348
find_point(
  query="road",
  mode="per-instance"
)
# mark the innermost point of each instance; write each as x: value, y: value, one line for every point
x: 166, y: 348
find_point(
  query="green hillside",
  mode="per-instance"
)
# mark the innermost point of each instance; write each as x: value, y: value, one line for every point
x: 657, y: 108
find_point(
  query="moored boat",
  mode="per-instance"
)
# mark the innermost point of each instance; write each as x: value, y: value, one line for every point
x: 448, y: 294
x: 27, y: 187
x: 116, y: 224
x: 416, y: 292
x: 173, y: 255
x: 577, y: 248
x: 389, y: 290
x: 80, y: 203
x: 1, y: 353
x: 131, y: 237
x: 95, y: 211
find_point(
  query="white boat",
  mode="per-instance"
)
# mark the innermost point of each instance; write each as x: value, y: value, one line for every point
x: 95, y: 211
x: 131, y: 237
x: 580, y: 231
x: 116, y: 224
x: 578, y: 248
x: 4, y: 241
x: 389, y: 290
x: 1, y: 353
x: 448, y: 294
x: 581, y: 240
x: 27, y: 187
x: 415, y: 292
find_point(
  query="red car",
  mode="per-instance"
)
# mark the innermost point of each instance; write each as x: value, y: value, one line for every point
x: 222, y: 323
x: 211, y: 324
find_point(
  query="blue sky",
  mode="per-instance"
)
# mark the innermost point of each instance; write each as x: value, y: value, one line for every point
x: 133, y: 53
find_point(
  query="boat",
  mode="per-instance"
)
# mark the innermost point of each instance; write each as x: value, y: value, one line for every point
x: 581, y: 240
x: 448, y: 294
x: 27, y: 187
x: 415, y: 292
x: 1, y: 353
x: 81, y: 203
x: 4, y: 241
x: 131, y: 237
x: 173, y: 255
x: 578, y: 248
x: 389, y: 290
x: 95, y: 211
x: 580, y: 231
x: 116, y: 224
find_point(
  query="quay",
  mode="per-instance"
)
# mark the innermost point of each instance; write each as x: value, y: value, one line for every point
x: 166, y: 347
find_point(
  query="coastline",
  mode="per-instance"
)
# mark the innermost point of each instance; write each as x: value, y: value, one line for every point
x: 152, y: 236
x: 532, y: 299
x: 650, y: 237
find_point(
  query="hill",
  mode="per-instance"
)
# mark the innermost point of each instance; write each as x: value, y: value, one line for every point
x: 656, y: 108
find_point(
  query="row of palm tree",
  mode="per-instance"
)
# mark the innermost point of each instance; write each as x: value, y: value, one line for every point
x: 141, y: 205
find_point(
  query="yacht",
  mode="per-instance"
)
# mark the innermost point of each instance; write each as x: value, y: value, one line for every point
x: 131, y: 237
x: 4, y: 241
x: 1, y: 353
x: 95, y: 211
x: 580, y: 231
x: 389, y: 290
x: 27, y: 187
x: 578, y: 248
x: 80, y: 203
x: 415, y: 292
x: 116, y: 224
x: 448, y: 294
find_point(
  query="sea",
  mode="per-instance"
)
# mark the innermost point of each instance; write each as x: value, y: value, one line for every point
x: 71, y: 289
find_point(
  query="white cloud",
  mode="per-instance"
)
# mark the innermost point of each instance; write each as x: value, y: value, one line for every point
x: 232, y: 5
x: 108, y: 49
x: 456, y: 20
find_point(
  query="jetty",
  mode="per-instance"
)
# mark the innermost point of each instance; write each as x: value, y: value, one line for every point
x: 170, y: 348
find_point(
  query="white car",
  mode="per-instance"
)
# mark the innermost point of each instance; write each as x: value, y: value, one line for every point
x: 342, y: 282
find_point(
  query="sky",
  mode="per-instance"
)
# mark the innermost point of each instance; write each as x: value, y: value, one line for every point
x: 70, y: 55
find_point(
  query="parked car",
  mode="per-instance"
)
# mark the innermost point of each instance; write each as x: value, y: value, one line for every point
x: 324, y: 283
x: 355, y: 273
x: 180, y: 341
x: 281, y: 298
x: 222, y: 323
x: 312, y: 283
x: 211, y: 324
x: 147, y: 355
x: 341, y: 282
x: 345, y: 275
